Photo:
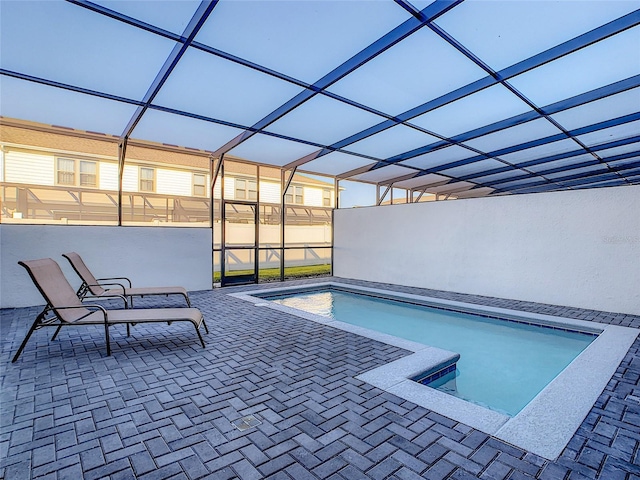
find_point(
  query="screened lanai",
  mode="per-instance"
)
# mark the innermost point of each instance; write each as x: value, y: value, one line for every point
x: 374, y: 102
x: 472, y: 156
x: 462, y: 98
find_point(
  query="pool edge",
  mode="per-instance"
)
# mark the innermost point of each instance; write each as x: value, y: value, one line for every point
x: 576, y: 393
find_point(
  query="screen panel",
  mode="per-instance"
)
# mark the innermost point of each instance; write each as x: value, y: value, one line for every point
x: 392, y: 141
x: 554, y: 148
x: 600, y: 64
x: 561, y: 163
x: 499, y: 176
x: 504, y: 33
x: 600, y: 110
x: 326, y: 33
x: 208, y: 85
x: 271, y: 150
x: 307, y: 262
x: 421, y: 181
x: 626, y: 161
x: 521, y: 183
x: 451, y: 188
x: 403, y: 77
x: 356, y: 194
x: 324, y: 120
x: 56, y: 106
x: 171, y: 15
x: 336, y: 163
x: 522, y: 133
x: 577, y: 171
x: 482, y: 108
x: 162, y: 127
x: 610, y: 134
x: 475, y: 192
x: 610, y: 152
x: 440, y: 157
x: 58, y: 41
x: 384, y: 173
x: 476, y: 167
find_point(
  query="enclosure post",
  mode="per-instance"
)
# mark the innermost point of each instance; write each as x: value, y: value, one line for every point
x: 122, y: 151
x: 214, y: 179
x: 223, y: 214
x: 336, y: 188
x: 282, y: 225
x: 285, y: 187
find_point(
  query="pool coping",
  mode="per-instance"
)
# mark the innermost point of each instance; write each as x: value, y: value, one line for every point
x: 543, y: 427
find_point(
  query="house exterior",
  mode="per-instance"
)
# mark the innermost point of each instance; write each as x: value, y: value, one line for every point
x: 56, y: 175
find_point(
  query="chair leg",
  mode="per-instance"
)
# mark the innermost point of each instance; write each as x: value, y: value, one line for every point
x: 186, y: 297
x: 56, y: 334
x: 199, y: 336
x: 128, y: 330
x: 205, y: 326
x: 106, y: 336
x: 26, y: 339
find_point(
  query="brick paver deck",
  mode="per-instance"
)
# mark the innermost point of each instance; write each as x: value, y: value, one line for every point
x: 160, y: 407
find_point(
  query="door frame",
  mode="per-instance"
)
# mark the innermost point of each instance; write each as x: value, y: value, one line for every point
x: 226, y: 280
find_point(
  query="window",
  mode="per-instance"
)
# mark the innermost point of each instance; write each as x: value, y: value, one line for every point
x: 294, y: 195
x: 147, y: 179
x: 326, y: 198
x: 246, y: 189
x: 199, y: 184
x: 88, y: 174
x: 66, y: 173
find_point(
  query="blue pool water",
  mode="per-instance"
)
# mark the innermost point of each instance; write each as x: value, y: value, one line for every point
x: 503, y: 365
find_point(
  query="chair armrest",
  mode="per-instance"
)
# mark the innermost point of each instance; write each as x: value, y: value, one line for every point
x: 106, y: 295
x: 109, y: 284
x: 115, y: 278
x: 88, y: 307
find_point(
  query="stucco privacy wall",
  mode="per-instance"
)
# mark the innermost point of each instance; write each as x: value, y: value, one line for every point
x: 572, y: 248
x: 150, y: 256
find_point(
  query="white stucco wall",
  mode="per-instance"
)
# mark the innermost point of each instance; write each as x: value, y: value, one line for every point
x: 149, y: 256
x: 572, y: 248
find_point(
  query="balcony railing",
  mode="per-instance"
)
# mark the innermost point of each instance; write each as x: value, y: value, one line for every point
x: 56, y: 204
x: 83, y: 205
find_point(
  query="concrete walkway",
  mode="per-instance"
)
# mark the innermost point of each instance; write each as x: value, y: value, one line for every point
x: 161, y: 406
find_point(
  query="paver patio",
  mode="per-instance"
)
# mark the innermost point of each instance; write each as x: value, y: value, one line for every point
x: 161, y: 406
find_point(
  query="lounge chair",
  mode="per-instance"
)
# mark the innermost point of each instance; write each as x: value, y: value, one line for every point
x: 64, y: 308
x: 96, y: 286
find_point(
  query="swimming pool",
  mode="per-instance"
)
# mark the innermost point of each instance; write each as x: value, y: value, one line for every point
x: 544, y: 426
x: 502, y: 366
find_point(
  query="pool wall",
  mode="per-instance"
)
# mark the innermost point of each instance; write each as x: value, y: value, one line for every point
x: 568, y: 248
x: 543, y: 427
